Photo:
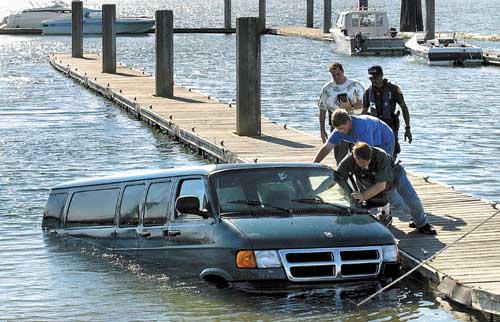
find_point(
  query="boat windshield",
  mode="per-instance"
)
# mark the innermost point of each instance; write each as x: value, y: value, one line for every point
x: 92, y: 14
x: 282, y: 189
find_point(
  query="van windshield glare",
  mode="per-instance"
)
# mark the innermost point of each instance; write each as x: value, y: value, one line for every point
x: 287, y: 188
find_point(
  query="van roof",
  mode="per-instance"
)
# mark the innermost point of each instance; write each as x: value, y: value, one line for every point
x: 179, y: 171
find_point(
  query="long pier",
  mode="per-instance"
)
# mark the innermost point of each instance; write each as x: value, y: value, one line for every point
x: 465, y: 266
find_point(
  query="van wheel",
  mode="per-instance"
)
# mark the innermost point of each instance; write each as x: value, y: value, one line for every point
x: 218, y: 281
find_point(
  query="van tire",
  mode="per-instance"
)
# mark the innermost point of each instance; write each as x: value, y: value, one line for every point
x: 217, y: 281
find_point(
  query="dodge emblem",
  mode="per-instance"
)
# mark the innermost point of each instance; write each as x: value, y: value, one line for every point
x: 328, y: 234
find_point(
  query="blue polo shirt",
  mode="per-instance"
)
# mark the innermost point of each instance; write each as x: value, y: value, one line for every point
x: 368, y: 129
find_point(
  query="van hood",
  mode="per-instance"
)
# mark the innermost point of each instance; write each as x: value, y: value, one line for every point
x: 312, y: 231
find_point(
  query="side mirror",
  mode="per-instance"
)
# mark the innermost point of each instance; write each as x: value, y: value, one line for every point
x: 190, y: 205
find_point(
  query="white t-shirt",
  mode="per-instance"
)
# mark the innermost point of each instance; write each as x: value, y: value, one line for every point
x: 328, y: 100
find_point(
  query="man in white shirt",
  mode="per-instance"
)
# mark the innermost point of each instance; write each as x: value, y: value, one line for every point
x: 341, y: 92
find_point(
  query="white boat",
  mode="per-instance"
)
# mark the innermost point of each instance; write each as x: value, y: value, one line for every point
x: 445, y: 51
x: 32, y: 18
x: 366, y: 31
x: 92, y: 24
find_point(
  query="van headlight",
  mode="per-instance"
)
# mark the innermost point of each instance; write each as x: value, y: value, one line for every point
x: 390, y: 253
x: 267, y: 258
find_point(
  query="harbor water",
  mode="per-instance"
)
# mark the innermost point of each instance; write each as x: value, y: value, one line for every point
x: 53, y: 130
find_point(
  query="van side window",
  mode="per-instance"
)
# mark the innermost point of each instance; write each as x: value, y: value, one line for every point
x: 193, y: 187
x: 131, y: 205
x: 157, y: 204
x: 92, y: 208
x: 52, y: 216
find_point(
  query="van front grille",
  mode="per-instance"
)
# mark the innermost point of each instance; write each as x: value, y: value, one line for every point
x: 328, y: 264
x: 309, y: 257
x: 359, y: 255
x: 359, y: 269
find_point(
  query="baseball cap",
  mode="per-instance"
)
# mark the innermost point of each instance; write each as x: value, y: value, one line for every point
x: 375, y: 70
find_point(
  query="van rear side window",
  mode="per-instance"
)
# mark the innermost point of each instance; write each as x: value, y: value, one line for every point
x: 131, y: 205
x: 157, y: 204
x: 52, y: 216
x: 92, y: 208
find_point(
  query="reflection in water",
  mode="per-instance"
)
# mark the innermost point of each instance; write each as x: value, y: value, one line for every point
x: 146, y: 291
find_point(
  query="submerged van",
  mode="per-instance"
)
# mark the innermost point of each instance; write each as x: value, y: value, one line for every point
x: 244, y: 225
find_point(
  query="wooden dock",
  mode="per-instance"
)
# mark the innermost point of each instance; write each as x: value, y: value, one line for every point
x: 309, y: 33
x: 467, y: 271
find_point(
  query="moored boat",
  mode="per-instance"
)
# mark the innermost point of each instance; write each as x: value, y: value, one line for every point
x: 32, y: 18
x: 92, y: 24
x: 366, y: 31
x: 445, y: 51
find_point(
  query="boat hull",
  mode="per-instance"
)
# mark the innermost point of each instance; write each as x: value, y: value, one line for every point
x: 458, y: 54
x: 375, y: 46
x: 135, y: 26
x: 453, y: 56
x: 372, y: 47
x: 30, y: 20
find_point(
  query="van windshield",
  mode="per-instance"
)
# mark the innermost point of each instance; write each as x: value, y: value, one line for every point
x: 287, y: 189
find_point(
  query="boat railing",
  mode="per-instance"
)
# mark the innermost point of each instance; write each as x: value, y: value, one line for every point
x: 445, y: 35
x: 357, y: 8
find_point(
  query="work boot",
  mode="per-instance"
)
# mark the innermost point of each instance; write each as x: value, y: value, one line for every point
x: 412, y: 224
x: 385, y: 219
x: 427, y: 229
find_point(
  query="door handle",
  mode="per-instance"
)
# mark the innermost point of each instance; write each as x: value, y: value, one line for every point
x: 144, y: 234
x: 172, y: 233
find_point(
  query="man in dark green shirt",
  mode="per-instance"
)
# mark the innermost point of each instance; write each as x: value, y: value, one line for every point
x: 377, y: 177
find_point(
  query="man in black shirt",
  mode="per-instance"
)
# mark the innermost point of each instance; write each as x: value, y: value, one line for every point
x: 380, y: 100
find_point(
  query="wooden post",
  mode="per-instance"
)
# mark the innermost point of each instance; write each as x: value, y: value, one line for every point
x: 248, y: 76
x: 227, y: 14
x: 430, y: 19
x: 310, y: 14
x: 420, y: 24
x: 164, y: 53
x: 77, y: 29
x: 411, y: 15
x: 363, y: 4
x: 327, y: 23
x: 109, y: 38
x: 262, y: 15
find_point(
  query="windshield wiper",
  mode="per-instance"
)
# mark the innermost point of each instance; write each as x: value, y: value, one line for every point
x: 320, y: 201
x: 257, y: 203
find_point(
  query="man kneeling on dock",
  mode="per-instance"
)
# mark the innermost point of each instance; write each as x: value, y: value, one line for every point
x: 377, y: 177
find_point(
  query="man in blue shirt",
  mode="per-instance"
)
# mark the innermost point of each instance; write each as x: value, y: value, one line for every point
x: 362, y: 128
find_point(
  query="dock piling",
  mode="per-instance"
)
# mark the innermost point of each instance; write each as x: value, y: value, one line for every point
x: 77, y: 29
x: 165, y: 53
x: 248, y: 122
x: 430, y: 19
x: 109, y: 38
x: 327, y: 21
x: 310, y: 14
x: 411, y: 16
x: 262, y: 15
x: 227, y: 14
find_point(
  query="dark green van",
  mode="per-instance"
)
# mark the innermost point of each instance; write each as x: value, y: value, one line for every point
x: 242, y: 225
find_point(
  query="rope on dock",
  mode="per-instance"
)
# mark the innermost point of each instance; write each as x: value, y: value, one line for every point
x: 425, y: 261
